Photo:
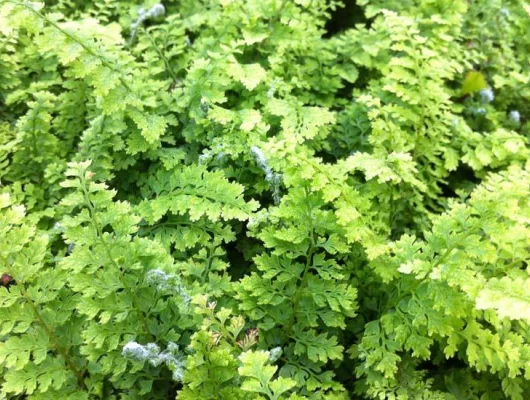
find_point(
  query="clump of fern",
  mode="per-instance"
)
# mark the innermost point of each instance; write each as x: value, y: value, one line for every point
x: 264, y: 199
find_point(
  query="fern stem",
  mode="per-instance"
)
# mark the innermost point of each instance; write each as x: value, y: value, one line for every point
x: 303, y: 282
x: 280, y: 9
x: 333, y: 181
x: 419, y: 74
x: 103, y: 60
x: 34, y: 146
x: 161, y: 55
x: 307, y: 267
x: 68, y: 360
x: 49, y: 332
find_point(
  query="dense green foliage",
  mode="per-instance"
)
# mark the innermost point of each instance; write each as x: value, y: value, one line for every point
x: 265, y: 199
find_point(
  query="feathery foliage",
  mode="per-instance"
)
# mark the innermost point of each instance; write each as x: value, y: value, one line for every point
x: 264, y: 199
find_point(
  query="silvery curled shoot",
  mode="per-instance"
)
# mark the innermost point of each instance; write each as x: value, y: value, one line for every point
x: 265, y: 200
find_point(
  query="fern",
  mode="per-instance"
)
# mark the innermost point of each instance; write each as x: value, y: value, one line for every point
x: 468, y: 258
x: 111, y: 271
x: 264, y: 199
